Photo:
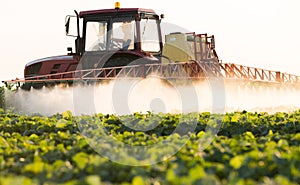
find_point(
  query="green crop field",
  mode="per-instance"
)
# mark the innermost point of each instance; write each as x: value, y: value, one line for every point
x: 249, y: 148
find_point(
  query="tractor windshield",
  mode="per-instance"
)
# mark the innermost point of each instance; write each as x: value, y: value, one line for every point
x: 121, y: 34
x: 120, y: 37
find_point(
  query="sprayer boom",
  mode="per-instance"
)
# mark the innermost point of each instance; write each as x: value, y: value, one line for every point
x: 192, y: 70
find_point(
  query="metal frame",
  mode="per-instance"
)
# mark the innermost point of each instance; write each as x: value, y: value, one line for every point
x: 184, y: 70
x: 234, y: 71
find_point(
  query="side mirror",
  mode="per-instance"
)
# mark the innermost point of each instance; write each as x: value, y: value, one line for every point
x: 71, y: 26
x: 67, y: 25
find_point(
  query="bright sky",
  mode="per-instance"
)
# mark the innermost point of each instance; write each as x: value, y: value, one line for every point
x: 258, y: 33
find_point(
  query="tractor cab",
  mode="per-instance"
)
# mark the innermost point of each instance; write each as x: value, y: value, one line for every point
x: 116, y: 37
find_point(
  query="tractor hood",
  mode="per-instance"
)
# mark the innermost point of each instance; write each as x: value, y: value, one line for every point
x: 58, y: 58
x: 51, y: 65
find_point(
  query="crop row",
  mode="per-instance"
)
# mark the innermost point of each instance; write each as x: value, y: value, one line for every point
x: 234, y: 148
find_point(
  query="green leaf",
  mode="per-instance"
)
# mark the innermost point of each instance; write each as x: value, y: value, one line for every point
x: 270, y: 133
x: 3, y: 142
x: 62, y: 123
x: 36, y: 167
x: 93, y: 180
x: 283, y: 143
x: 67, y: 115
x: 16, y: 180
x: 196, y: 173
x: 138, y: 180
x: 34, y: 137
x: 282, y: 180
x: 249, y: 136
x: 81, y: 160
x: 237, y: 161
x: 171, y: 176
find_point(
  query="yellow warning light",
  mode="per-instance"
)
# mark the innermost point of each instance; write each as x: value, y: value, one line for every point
x: 117, y: 5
